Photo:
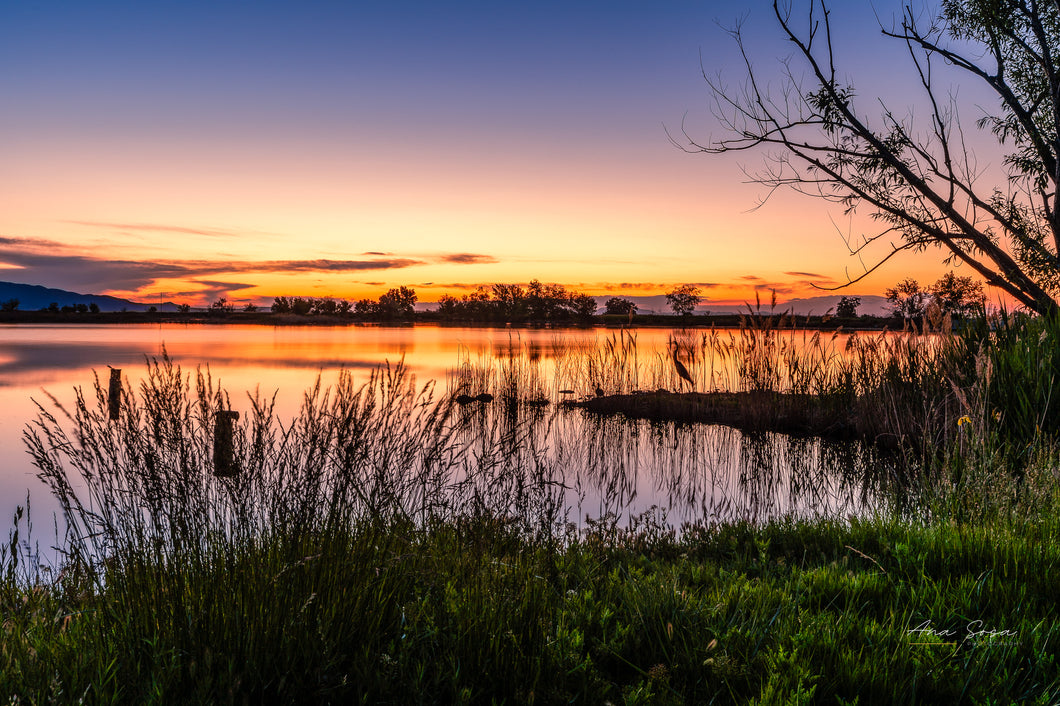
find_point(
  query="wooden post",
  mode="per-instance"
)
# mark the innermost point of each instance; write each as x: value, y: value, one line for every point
x: 224, y: 461
x: 114, y: 395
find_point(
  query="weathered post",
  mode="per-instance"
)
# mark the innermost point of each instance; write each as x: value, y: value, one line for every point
x: 224, y: 461
x: 114, y: 394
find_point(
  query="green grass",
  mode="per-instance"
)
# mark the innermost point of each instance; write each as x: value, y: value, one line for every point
x: 474, y: 611
x: 376, y: 550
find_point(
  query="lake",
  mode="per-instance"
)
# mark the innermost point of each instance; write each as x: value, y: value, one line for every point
x: 609, y: 464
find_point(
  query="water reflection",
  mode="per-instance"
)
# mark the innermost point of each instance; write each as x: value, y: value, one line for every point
x: 610, y: 465
x: 541, y: 456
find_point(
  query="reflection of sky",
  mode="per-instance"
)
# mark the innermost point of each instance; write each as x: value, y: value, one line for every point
x: 703, y: 471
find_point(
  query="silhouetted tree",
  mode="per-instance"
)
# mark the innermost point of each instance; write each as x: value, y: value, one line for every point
x: 618, y: 305
x: 365, y: 308
x: 398, y: 303
x: 961, y: 296
x: 449, y: 307
x: 9, y: 305
x: 509, y: 302
x: 324, y: 307
x: 582, y: 306
x: 545, y: 302
x: 478, y: 304
x: 907, y: 298
x: 684, y: 299
x: 222, y: 306
x: 847, y: 307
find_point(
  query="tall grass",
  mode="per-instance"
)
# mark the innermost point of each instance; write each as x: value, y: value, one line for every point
x: 385, y: 450
x: 384, y: 546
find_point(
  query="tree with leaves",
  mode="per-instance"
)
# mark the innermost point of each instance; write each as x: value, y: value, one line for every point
x: 921, y: 180
x: 222, y: 306
x: 683, y: 299
x: 398, y: 303
x: 908, y: 299
x: 961, y: 296
x: 620, y: 306
x: 847, y: 307
x: 582, y: 306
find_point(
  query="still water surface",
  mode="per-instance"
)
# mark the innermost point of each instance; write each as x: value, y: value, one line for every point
x: 695, y: 472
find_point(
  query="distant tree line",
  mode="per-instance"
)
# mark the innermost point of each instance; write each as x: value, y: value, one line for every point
x: 495, y: 303
x: 397, y: 304
x: 54, y: 308
x: 511, y: 303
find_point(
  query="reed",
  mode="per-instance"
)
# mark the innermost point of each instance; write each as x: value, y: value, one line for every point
x: 386, y: 546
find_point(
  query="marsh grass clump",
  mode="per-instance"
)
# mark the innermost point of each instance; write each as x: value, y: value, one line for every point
x: 472, y: 377
x: 296, y: 576
x: 146, y: 480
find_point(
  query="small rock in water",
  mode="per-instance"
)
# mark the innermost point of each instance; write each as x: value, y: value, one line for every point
x: 484, y: 397
x: 464, y: 399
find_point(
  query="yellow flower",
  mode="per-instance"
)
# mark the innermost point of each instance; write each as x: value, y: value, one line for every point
x: 964, y: 420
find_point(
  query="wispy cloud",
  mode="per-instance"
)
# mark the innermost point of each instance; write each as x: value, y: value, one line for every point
x: 467, y: 258
x: 40, y: 261
x: 449, y: 285
x: 214, y: 289
x: 165, y: 228
x: 315, y: 265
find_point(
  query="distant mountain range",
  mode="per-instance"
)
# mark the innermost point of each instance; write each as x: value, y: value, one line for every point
x: 32, y: 297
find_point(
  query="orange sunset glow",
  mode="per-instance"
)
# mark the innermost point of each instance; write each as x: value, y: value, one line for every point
x: 202, y: 152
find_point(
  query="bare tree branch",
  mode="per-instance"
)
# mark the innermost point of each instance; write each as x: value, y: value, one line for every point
x: 924, y: 186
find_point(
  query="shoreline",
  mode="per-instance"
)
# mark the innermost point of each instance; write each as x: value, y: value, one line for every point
x: 808, y: 323
x: 756, y: 411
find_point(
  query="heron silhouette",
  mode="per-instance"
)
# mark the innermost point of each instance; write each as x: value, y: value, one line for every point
x: 682, y: 371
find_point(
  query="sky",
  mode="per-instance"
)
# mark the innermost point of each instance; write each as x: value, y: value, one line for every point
x: 190, y: 150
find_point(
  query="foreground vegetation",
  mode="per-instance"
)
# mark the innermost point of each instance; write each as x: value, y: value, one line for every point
x: 475, y: 611
x: 375, y: 550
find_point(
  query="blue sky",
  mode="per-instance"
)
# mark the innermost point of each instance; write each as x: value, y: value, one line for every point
x: 199, y: 148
